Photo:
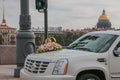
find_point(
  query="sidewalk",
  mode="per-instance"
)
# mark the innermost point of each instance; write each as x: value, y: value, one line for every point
x: 7, y: 72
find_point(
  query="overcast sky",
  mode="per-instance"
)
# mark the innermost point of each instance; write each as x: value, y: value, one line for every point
x: 73, y: 14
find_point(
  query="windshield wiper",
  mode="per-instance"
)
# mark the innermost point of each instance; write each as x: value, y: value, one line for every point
x: 85, y: 49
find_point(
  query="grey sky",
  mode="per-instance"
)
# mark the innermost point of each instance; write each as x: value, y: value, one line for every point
x: 73, y: 14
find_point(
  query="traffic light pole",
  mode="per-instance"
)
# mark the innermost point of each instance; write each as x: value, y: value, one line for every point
x: 41, y: 6
x: 45, y: 24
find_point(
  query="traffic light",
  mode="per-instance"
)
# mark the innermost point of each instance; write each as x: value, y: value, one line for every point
x: 41, y: 4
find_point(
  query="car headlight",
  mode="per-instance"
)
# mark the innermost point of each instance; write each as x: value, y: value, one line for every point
x: 61, y: 67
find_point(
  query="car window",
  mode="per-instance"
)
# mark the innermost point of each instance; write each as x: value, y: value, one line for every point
x: 94, y: 42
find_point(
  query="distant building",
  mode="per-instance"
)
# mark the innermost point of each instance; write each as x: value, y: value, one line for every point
x: 78, y: 31
x: 51, y: 30
x: 39, y: 32
x: 8, y: 34
x: 104, y: 21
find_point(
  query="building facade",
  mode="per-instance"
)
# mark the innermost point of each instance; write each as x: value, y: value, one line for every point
x: 7, y: 33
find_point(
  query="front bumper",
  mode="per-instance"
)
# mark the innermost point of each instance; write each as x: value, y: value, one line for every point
x: 25, y: 76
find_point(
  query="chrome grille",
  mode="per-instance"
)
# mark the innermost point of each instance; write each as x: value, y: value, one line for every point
x: 35, y: 66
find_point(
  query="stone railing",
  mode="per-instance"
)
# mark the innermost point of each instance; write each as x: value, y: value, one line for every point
x: 7, y: 54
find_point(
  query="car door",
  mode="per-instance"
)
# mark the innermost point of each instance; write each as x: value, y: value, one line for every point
x: 114, y: 61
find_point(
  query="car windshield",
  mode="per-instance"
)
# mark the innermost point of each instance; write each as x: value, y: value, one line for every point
x: 93, y: 42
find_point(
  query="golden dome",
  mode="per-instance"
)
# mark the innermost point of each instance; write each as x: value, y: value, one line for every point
x: 4, y: 24
x: 104, y: 16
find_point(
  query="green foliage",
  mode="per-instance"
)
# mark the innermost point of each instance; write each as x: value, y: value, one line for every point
x: 70, y: 37
x: 67, y: 38
x: 60, y: 39
x: 0, y: 39
x: 63, y: 39
x: 38, y: 40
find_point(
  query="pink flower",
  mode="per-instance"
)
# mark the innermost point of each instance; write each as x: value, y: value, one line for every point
x: 49, y: 46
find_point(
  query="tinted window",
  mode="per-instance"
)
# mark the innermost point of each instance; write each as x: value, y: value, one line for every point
x: 94, y: 42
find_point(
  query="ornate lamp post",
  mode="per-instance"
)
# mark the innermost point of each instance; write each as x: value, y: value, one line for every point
x: 25, y: 37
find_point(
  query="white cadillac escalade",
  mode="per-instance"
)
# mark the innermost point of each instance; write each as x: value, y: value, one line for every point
x: 93, y: 56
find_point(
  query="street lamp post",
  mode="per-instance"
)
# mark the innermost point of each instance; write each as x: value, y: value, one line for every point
x: 25, y: 38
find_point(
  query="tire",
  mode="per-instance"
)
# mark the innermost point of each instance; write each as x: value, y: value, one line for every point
x: 88, y: 76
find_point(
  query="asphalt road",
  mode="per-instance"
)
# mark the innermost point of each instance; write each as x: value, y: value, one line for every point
x: 7, y: 72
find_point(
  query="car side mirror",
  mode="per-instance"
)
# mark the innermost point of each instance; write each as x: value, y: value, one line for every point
x: 117, y: 52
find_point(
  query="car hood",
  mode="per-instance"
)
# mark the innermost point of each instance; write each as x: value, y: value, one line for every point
x: 55, y: 55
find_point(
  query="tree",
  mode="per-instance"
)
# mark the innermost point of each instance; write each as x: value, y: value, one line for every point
x: 60, y: 39
x: 0, y: 39
x: 68, y: 38
x: 38, y: 40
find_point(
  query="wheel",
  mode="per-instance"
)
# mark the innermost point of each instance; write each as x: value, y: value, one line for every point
x: 88, y: 76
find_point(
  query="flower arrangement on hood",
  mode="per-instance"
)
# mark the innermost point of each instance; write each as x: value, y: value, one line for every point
x: 49, y: 45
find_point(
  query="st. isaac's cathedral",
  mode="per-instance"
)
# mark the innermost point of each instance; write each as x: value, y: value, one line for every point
x: 104, y: 21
